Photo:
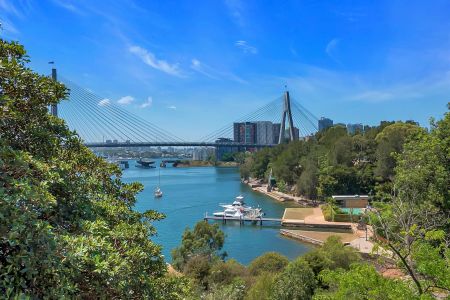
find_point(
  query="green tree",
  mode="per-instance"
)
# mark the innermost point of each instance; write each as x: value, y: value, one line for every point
x: 262, y: 288
x: 331, y: 255
x: 233, y: 291
x: 308, y: 180
x: 198, y: 268
x: 260, y: 162
x: 390, y: 141
x: 419, y: 206
x: 67, y: 223
x: 431, y: 258
x: 224, y: 272
x: 341, y: 151
x: 295, y: 282
x: 205, y: 240
x: 245, y: 169
x: 228, y: 157
x: 362, y: 282
x: 271, y: 262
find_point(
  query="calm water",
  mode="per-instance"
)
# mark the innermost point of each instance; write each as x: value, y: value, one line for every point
x: 190, y: 192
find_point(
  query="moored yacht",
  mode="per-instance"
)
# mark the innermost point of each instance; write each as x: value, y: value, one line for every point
x: 238, y: 209
x: 238, y: 203
x: 229, y: 212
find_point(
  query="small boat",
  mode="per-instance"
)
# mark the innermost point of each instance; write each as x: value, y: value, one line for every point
x: 158, y: 192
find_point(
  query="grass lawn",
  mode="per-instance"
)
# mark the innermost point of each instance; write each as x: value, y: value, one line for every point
x: 297, y: 213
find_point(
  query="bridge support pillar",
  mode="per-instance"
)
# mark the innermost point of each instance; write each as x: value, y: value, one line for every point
x: 286, y: 114
x: 54, y: 107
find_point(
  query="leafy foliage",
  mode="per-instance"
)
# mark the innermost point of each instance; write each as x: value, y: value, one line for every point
x: 270, y: 262
x: 416, y: 220
x: 334, y: 162
x: 362, y: 282
x: 205, y: 240
x: 297, y: 281
x: 332, y: 255
x: 67, y: 224
x: 262, y: 288
x: 225, y: 272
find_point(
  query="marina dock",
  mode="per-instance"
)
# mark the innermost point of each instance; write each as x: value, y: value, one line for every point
x: 242, y: 220
x: 292, y: 217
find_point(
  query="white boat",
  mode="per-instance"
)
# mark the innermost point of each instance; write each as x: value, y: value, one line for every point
x: 158, y: 192
x: 239, y: 209
x: 229, y: 212
x: 238, y: 203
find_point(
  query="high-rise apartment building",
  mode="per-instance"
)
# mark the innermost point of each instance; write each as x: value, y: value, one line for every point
x: 264, y: 132
x: 244, y: 132
x: 355, y: 128
x: 276, y: 132
x: 324, y: 123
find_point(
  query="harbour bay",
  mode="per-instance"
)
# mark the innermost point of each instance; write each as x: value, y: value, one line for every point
x: 190, y: 192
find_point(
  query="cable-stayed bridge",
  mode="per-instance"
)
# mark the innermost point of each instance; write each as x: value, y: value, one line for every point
x: 103, y: 123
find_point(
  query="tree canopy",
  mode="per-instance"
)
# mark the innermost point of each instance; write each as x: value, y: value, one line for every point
x: 334, y: 161
x: 67, y: 224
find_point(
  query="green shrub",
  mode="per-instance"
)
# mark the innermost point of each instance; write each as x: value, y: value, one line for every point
x: 198, y: 268
x: 297, y: 281
x: 362, y: 281
x: 262, y: 287
x: 233, y: 291
x: 68, y: 224
x: 224, y: 272
x: 332, y: 255
x: 272, y: 262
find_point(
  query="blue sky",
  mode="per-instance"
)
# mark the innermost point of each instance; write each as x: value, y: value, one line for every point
x: 193, y: 66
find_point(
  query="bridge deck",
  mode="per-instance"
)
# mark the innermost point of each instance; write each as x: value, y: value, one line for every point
x: 175, y: 144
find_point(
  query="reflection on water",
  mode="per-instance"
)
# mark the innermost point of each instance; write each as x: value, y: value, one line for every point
x: 190, y: 192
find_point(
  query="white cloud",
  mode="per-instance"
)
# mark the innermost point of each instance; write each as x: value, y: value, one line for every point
x: 331, y: 48
x: 236, y: 10
x: 9, y: 8
x: 8, y: 26
x: 172, y: 107
x: 212, y: 73
x: 202, y: 68
x: 125, y: 100
x: 69, y: 6
x: 149, y: 59
x: 147, y: 103
x: 244, y: 46
x: 317, y: 84
x: 373, y: 96
x: 104, y: 102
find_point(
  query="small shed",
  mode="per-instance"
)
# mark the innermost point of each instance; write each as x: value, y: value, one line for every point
x: 351, y: 201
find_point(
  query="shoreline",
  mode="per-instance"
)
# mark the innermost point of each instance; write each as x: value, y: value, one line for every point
x: 200, y: 163
x: 279, y: 196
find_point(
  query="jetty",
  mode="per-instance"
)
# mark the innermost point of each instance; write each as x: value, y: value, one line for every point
x: 243, y: 219
x: 292, y: 217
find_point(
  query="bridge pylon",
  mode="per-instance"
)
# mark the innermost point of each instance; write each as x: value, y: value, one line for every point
x: 54, y: 107
x: 287, y: 113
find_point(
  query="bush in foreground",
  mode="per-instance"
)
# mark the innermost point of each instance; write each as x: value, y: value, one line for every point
x: 67, y: 224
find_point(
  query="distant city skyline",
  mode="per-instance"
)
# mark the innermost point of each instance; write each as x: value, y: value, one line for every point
x: 192, y: 67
